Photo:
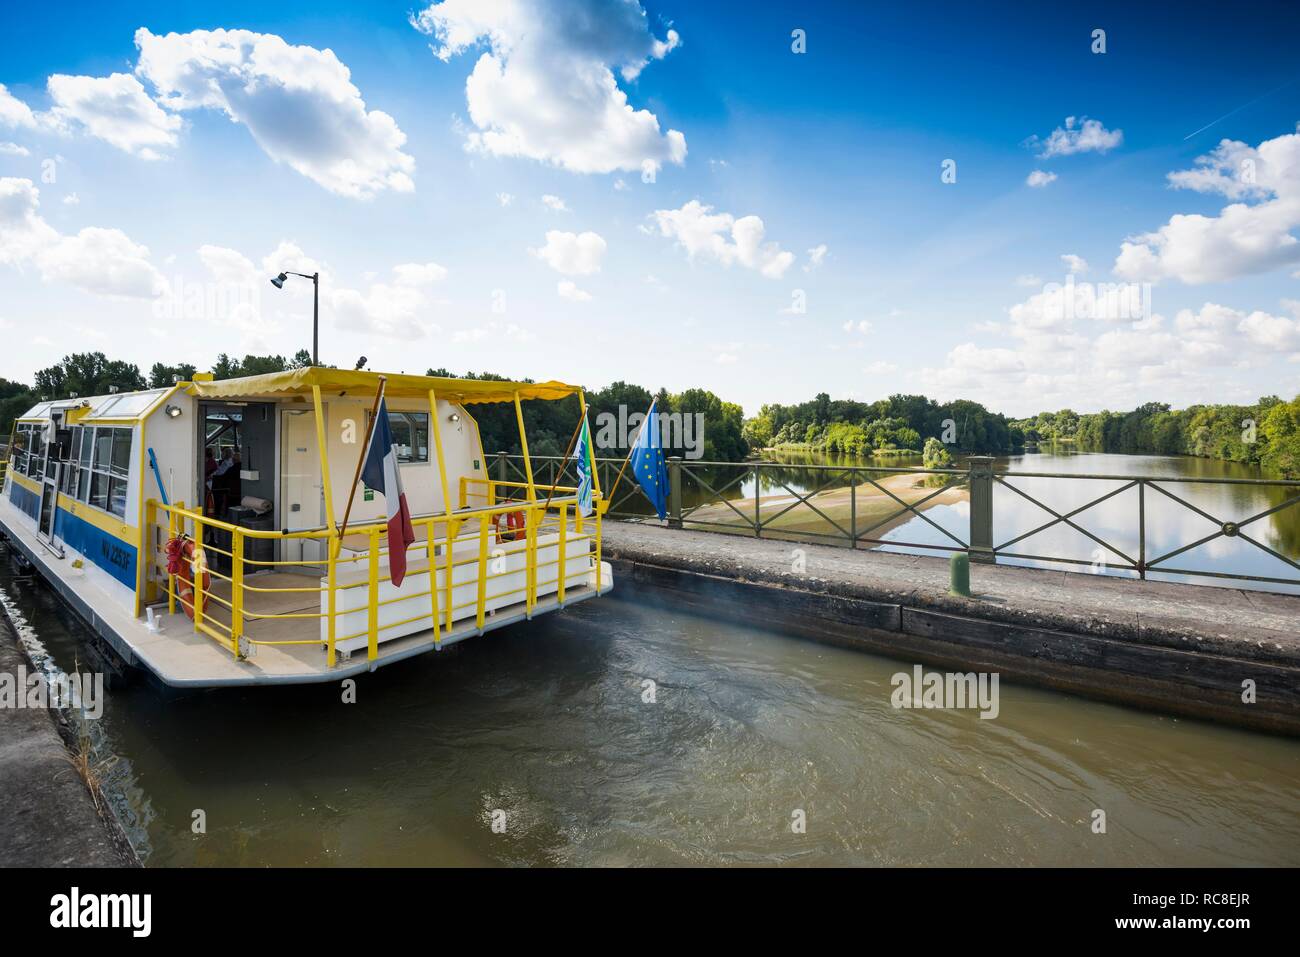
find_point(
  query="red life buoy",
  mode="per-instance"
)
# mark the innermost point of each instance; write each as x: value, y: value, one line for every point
x: 187, y: 562
x: 514, y: 526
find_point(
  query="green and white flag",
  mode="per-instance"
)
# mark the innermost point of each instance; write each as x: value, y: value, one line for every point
x: 586, y: 462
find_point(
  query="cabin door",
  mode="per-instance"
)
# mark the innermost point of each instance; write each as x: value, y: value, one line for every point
x: 49, y: 499
x: 49, y: 475
x: 302, y: 496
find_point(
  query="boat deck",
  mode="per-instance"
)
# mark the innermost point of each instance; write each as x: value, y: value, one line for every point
x: 179, y: 651
x: 181, y: 657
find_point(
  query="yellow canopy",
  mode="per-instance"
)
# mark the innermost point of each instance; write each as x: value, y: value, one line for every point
x: 366, y: 383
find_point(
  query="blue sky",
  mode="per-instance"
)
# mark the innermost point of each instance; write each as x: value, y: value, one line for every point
x: 796, y: 236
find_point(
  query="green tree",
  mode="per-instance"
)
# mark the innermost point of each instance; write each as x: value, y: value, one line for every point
x: 162, y: 376
x: 87, y: 374
x: 227, y: 367
x: 15, y: 399
x: 936, y: 454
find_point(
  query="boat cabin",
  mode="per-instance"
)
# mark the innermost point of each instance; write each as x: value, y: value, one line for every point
x: 217, y: 532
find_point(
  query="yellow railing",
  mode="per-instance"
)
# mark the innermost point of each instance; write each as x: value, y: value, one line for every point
x: 492, y: 487
x: 246, y: 604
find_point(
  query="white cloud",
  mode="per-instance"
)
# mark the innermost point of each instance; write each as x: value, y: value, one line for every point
x: 880, y: 367
x: 103, y: 261
x: 1076, y: 264
x: 1078, y: 135
x: 1059, y: 304
x: 1039, y: 178
x: 569, y: 290
x: 727, y: 358
x: 816, y: 256
x: 574, y: 254
x: 505, y: 199
x: 14, y: 113
x: 398, y: 308
x: 13, y: 149
x: 115, y: 109
x: 996, y: 360
x: 545, y: 88
x: 704, y: 233
x: 72, y: 199
x: 228, y: 265
x: 554, y: 203
x: 1275, y: 333
x: 391, y: 310
x: 418, y: 274
x: 1231, y: 169
x: 1243, y: 239
x: 97, y: 260
x: 862, y: 327
x: 299, y: 103
x: 1067, y: 362
x: 1028, y: 280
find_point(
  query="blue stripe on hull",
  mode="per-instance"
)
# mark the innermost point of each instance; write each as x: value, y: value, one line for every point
x: 25, y: 500
x: 109, y: 552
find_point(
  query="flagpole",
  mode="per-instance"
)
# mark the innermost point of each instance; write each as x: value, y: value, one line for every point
x: 628, y: 458
x: 370, y: 430
x: 573, y: 440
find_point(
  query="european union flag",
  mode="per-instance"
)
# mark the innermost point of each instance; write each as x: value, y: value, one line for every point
x: 648, y: 463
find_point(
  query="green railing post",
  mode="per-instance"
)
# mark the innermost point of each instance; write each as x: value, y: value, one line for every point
x: 1142, y: 531
x: 758, y: 499
x: 959, y: 574
x: 981, y: 508
x: 853, y: 509
x: 675, y: 491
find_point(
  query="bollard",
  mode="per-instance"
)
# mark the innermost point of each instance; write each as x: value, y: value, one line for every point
x: 959, y: 574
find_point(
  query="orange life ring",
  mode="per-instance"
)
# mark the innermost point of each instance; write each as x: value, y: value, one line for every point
x: 186, y: 562
x: 514, y: 522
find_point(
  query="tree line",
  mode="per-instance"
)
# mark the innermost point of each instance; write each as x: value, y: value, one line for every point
x: 550, y: 425
x: 1266, y: 434
x: 900, y: 422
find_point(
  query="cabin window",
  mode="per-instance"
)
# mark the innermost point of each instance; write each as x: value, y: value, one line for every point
x: 109, y: 468
x: 34, y: 444
x: 410, y: 435
x: 69, y: 478
x: 19, y: 456
x: 83, y: 464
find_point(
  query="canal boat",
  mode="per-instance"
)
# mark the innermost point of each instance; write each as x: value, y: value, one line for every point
x: 219, y: 532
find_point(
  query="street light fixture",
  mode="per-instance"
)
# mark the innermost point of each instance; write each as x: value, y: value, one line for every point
x: 278, y: 283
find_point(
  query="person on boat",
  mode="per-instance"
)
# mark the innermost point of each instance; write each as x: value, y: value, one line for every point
x: 225, y: 481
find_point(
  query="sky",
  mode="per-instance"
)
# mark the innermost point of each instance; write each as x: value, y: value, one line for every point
x: 766, y: 200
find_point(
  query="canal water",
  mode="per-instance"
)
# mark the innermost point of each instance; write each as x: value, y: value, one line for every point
x: 551, y: 724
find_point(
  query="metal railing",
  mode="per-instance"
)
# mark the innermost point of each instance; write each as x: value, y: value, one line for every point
x: 464, y: 552
x: 858, y: 505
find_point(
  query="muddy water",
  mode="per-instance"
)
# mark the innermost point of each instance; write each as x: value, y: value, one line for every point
x: 548, y: 724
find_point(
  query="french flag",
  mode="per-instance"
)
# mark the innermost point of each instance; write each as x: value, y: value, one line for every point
x: 380, y: 473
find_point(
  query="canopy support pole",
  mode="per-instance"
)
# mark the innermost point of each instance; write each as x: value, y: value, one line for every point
x: 523, y: 444
x: 437, y: 447
x: 324, y: 458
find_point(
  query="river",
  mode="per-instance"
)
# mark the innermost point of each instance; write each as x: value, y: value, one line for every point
x: 1170, y: 525
x: 548, y: 723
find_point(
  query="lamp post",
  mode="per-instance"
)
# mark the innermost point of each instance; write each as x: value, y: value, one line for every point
x: 278, y: 283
